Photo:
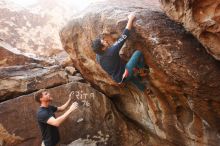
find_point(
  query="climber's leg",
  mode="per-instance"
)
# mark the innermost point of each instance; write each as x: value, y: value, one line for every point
x: 135, y: 62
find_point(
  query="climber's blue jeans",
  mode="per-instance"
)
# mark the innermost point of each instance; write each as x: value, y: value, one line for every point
x: 136, y: 61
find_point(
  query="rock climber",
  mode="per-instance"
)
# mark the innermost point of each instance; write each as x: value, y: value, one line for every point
x: 47, y: 121
x: 109, y: 59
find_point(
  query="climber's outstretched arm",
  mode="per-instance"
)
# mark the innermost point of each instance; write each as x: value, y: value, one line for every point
x: 131, y: 18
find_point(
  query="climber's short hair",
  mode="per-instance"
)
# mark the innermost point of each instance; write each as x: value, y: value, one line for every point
x: 39, y: 94
x: 97, y: 46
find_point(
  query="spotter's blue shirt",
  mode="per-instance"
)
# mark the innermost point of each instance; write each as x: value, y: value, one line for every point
x: 111, y: 62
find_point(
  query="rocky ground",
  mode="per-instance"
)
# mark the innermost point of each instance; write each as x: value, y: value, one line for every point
x: 179, y: 107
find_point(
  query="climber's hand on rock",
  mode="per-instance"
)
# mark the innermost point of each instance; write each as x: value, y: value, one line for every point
x: 131, y: 16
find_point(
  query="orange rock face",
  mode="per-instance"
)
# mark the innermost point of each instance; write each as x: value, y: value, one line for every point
x: 181, y: 103
x: 12, y: 57
x: 96, y: 119
x: 18, y: 80
x: 201, y: 17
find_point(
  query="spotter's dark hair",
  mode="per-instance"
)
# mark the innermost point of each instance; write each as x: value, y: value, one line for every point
x: 39, y: 94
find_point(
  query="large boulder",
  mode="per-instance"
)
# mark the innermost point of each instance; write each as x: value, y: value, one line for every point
x: 22, y: 73
x: 201, y: 17
x: 181, y: 101
x: 18, y: 80
x: 95, y: 120
x: 12, y: 56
